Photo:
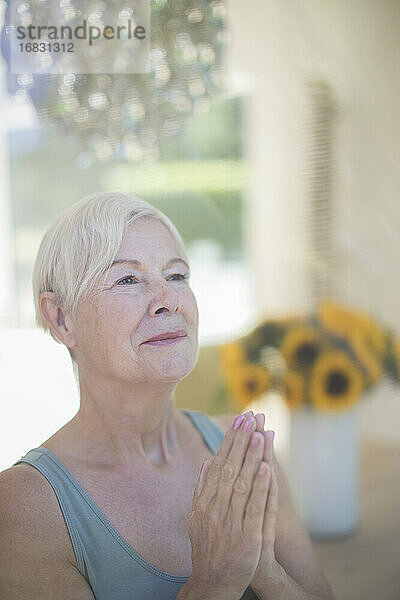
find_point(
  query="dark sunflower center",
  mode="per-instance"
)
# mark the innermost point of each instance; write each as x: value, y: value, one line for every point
x: 306, y: 353
x: 337, y: 383
x: 251, y: 385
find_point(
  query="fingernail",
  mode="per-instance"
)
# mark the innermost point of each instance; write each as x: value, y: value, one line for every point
x: 249, y: 423
x: 237, y: 421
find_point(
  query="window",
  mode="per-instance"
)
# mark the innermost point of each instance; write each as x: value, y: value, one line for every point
x: 199, y: 181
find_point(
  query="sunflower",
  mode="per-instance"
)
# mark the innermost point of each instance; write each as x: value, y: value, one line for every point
x: 371, y: 364
x: 375, y: 336
x: 336, y: 318
x: 293, y: 385
x: 231, y: 355
x: 365, y: 331
x: 247, y: 382
x: 300, y: 346
x: 265, y: 334
x: 351, y: 324
x: 336, y: 383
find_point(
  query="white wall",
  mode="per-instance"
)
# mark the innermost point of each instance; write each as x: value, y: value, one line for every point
x: 355, y: 47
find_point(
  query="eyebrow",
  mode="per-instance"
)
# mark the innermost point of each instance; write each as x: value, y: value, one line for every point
x: 132, y: 261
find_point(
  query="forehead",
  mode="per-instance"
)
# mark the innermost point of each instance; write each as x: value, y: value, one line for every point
x: 148, y: 237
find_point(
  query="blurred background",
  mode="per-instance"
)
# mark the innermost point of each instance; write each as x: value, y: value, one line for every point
x: 278, y: 161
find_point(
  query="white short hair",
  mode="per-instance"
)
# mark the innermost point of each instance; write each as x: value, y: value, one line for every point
x: 78, y: 249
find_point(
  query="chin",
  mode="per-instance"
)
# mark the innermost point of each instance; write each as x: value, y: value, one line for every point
x: 174, y: 368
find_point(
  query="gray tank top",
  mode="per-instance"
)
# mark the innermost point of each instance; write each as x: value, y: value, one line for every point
x: 112, y: 568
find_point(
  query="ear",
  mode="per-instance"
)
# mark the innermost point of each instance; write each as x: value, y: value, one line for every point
x: 59, y: 322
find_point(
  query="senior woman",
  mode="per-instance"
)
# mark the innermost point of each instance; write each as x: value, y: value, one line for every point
x: 132, y: 498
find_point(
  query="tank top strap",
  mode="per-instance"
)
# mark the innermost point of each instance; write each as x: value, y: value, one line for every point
x: 112, y: 568
x: 50, y: 467
x: 209, y: 431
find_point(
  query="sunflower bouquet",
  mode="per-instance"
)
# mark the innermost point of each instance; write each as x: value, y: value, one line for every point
x: 323, y: 361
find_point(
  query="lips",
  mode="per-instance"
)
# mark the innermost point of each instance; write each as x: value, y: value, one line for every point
x: 168, y: 335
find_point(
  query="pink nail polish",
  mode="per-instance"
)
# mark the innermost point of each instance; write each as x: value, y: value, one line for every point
x: 237, y: 421
x: 248, y: 424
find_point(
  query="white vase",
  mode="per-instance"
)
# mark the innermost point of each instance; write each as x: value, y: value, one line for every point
x: 323, y: 470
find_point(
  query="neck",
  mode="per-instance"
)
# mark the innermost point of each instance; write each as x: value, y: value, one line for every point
x: 128, y: 425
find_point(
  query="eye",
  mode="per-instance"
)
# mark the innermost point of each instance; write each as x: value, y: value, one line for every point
x: 129, y: 278
x: 178, y: 277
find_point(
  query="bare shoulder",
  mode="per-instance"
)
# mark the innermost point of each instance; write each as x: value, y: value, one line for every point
x: 25, y: 495
x: 36, y: 555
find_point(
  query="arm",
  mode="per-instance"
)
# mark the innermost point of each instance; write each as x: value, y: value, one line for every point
x: 300, y: 575
x: 294, y: 550
x: 35, y: 548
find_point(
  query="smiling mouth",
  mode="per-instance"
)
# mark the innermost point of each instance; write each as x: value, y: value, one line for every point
x: 165, y: 341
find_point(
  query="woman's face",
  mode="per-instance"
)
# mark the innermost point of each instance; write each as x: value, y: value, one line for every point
x: 146, y: 293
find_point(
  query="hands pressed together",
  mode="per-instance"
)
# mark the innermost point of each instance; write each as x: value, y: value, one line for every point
x: 233, y: 517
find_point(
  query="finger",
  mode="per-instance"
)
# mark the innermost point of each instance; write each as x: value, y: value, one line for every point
x: 273, y: 493
x: 238, y: 449
x: 255, y: 507
x: 269, y: 524
x: 201, y: 479
x: 260, y: 418
x: 242, y: 486
x: 217, y: 462
x: 269, y: 455
x: 248, y: 413
x: 233, y: 464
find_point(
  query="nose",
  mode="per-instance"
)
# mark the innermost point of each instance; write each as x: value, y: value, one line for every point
x: 165, y: 300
